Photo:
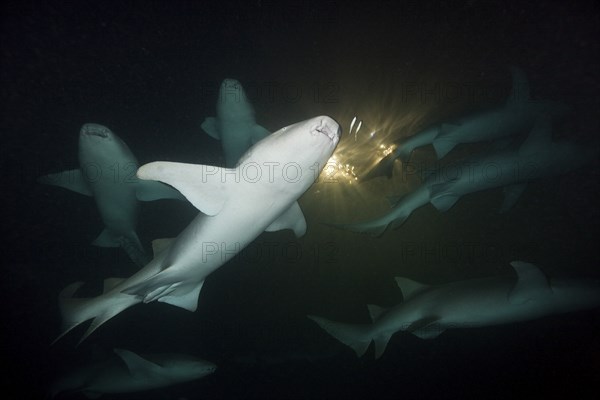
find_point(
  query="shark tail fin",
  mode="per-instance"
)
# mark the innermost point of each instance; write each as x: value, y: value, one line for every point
x: 71, y: 309
x: 355, y: 336
x: 76, y: 311
x: 382, y: 339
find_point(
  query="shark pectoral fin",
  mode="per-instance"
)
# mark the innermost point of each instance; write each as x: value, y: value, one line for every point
x: 211, y: 128
x: 137, y: 365
x: 160, y: 245
x: 409, y: 288
x: 375, y: 311
x: 292, y: 218
x: 151, y: 190
x: 381, y: 343
x: 511, y: 195
x: 107, y: 239
x: 205, y: 186
x: 111, y: 283
x: 531, y: 283
x: 426, y: 333
x: 444, y: 202
x: 426, y: 328
x: 258, y: 134
x: 72, y: 179
x: 443, y: 146
x: 187, y: 300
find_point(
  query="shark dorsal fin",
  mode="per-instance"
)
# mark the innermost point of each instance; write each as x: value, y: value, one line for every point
x: 531, y: 283
x: 110, y: 283
x: 210, y: 127
x: 137, y: 365
x: 203, y: 185
x: 160, y: 245
x: 409, y: 288
x: 519, y: 93
x: 292, y: 219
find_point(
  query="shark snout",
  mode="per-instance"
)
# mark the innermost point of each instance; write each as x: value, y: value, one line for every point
x: 95, y: 130
x: 328, y: 126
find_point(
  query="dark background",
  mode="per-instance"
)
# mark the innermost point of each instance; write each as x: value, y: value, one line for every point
x: 150, y: 71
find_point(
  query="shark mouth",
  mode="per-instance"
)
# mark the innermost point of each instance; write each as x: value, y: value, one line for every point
x: 329, y: 128
x: 95, y: 130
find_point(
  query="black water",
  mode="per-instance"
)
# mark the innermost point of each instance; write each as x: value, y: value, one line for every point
x: 150, y: 72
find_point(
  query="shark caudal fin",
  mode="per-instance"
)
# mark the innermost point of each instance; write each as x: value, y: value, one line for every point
x: 355, y: 336
x: 76, y: 311
x: 381, y: 340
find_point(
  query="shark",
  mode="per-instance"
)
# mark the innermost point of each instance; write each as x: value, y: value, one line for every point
x: 130, y: 372
x: 403, y: 150
x: 427, y: 311
x: 518, y: 115
x: 537, y: 157
x: 106, y: 172
x: 234, y: 125
x: 236, y: 204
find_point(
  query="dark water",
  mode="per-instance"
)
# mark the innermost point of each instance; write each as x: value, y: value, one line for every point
x: 150, y: 72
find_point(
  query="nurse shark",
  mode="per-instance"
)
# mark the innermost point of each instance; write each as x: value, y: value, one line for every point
x: 427, y: 311
x: 132, y: 373
x: 518, y: 115
x: 511, y: 169
x: 234, y: 125
x: 237, y: 205
x: 107, y: 173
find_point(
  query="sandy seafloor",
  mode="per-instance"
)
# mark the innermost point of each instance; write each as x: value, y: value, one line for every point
x: 150, y: 72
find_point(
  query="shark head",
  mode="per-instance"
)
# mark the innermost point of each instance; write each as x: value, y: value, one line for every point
x: 98, y: 144
x: 233, y: 103
x: 305, y: 143
x: 297, y: 153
